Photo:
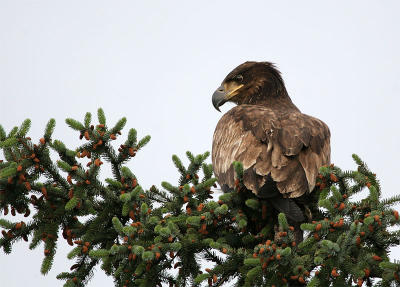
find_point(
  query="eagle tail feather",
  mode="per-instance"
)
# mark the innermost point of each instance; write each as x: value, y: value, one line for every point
x: 289, y: 207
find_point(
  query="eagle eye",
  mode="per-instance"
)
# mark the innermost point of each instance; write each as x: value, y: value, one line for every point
x: 238, y: 78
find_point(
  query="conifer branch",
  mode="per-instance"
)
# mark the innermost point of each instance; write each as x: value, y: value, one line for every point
x: 139, y: 236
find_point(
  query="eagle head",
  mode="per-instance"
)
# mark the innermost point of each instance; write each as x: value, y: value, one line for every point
x: 251, y: 83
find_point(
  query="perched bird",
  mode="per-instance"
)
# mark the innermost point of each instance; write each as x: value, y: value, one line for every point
x: 281, y: 149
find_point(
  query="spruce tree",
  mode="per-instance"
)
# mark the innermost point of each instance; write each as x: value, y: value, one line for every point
x: 160, y: 236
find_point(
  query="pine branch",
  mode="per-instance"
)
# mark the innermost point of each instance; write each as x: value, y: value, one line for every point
x: 139, y: 235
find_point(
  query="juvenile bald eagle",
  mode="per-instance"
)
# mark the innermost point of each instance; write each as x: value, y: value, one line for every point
x: 281, y: 149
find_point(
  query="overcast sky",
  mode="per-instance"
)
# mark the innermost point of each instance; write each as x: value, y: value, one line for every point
x: 158, y: 63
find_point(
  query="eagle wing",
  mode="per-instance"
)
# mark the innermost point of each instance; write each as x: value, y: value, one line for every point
x: 288, y: 148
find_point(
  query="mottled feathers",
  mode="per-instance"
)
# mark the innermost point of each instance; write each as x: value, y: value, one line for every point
x: 286, y: 147
x: 280, y: 148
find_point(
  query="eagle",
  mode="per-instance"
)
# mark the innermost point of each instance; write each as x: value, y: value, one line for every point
x: 281, y: 148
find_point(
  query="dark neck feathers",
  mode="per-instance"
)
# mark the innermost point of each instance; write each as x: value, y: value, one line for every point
x: 271, y: 93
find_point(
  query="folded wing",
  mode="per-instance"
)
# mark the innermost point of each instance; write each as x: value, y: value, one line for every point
x: 287, y: 148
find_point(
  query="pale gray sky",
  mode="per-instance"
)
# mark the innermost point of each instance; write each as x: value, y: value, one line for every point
x: 158, y: 63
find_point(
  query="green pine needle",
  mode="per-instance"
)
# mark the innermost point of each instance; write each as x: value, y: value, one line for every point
x: 24, y: 128
x: 72, y: 203
x: 101, y: 116
x: 49, y: 129
x: 132, y: 137
x: 119, y: 125
x: 87, y: 120
x: 143, y: 142
x: 10, y: 142
x: 2, y: 133
x: 74, y: 124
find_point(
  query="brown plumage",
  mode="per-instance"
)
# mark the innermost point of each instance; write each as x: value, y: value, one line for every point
x: 281, y: 149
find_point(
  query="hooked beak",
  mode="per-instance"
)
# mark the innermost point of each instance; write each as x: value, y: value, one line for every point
x: 221, y: 96
x: 218, y: 98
